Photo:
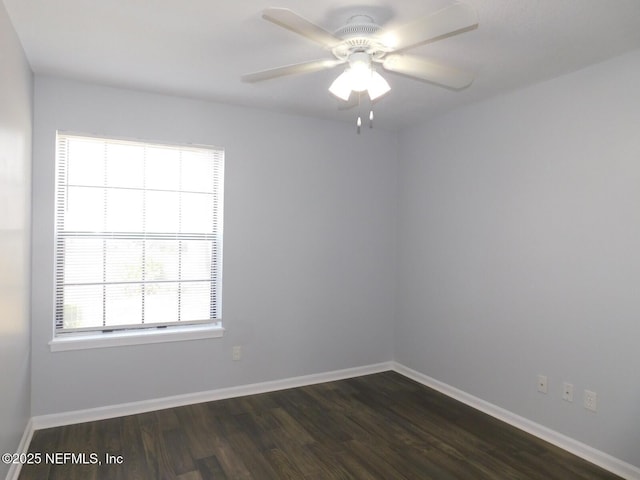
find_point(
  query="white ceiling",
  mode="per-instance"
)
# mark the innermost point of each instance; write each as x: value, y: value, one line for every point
x: 199, y: 48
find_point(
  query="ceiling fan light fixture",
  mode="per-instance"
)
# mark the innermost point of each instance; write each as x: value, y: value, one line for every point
x: 344, y: 85
x: 359, y: 76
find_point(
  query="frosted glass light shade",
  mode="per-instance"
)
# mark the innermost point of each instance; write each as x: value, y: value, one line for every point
x: 360, y: 76
x: 341, y: 86
x: 378, y: 86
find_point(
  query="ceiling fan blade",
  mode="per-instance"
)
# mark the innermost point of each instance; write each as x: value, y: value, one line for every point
x: 292, y: 21
x: 306, y: 67
x: 427, y: 70
x: 443, y: 23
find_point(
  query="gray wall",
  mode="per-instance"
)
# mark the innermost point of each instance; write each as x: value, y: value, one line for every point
x: 308, y: 254
x: 15, y: 170
x: 519, y: 252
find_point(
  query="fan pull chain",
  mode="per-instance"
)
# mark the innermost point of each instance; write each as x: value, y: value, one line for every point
x: 359, y: 120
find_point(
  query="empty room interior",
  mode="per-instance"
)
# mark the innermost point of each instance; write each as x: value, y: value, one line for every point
x: 430, y: 271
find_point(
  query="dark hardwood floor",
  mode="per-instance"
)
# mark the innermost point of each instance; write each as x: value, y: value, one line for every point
x: 381, y: 426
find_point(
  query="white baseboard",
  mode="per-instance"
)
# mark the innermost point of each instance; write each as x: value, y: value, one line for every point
x: 597, y: 457
x: 112, y: 411
x: 604, y: 460
x: 23, y: 447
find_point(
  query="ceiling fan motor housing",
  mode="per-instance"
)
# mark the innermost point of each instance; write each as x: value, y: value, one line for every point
x: 358, y: 35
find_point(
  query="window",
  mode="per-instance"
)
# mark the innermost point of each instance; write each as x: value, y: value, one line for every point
x: 138, y: 236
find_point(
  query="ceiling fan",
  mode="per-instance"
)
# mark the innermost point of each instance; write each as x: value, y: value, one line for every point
x: 362, y: 45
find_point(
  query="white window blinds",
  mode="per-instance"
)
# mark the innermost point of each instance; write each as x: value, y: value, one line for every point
x: 138, y: 234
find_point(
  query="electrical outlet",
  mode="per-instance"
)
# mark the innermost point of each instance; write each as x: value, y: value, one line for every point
x: 236, y: 353
x: 590, y: 400
x: 567, y: 391
x: 542, y: 383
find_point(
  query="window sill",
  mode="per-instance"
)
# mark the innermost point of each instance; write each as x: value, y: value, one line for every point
x: 137, y: 337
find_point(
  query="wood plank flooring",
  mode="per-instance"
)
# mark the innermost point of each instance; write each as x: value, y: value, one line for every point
x: 381, y: 426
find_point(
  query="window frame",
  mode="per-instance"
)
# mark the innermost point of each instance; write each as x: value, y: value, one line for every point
x: 116, y: 335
